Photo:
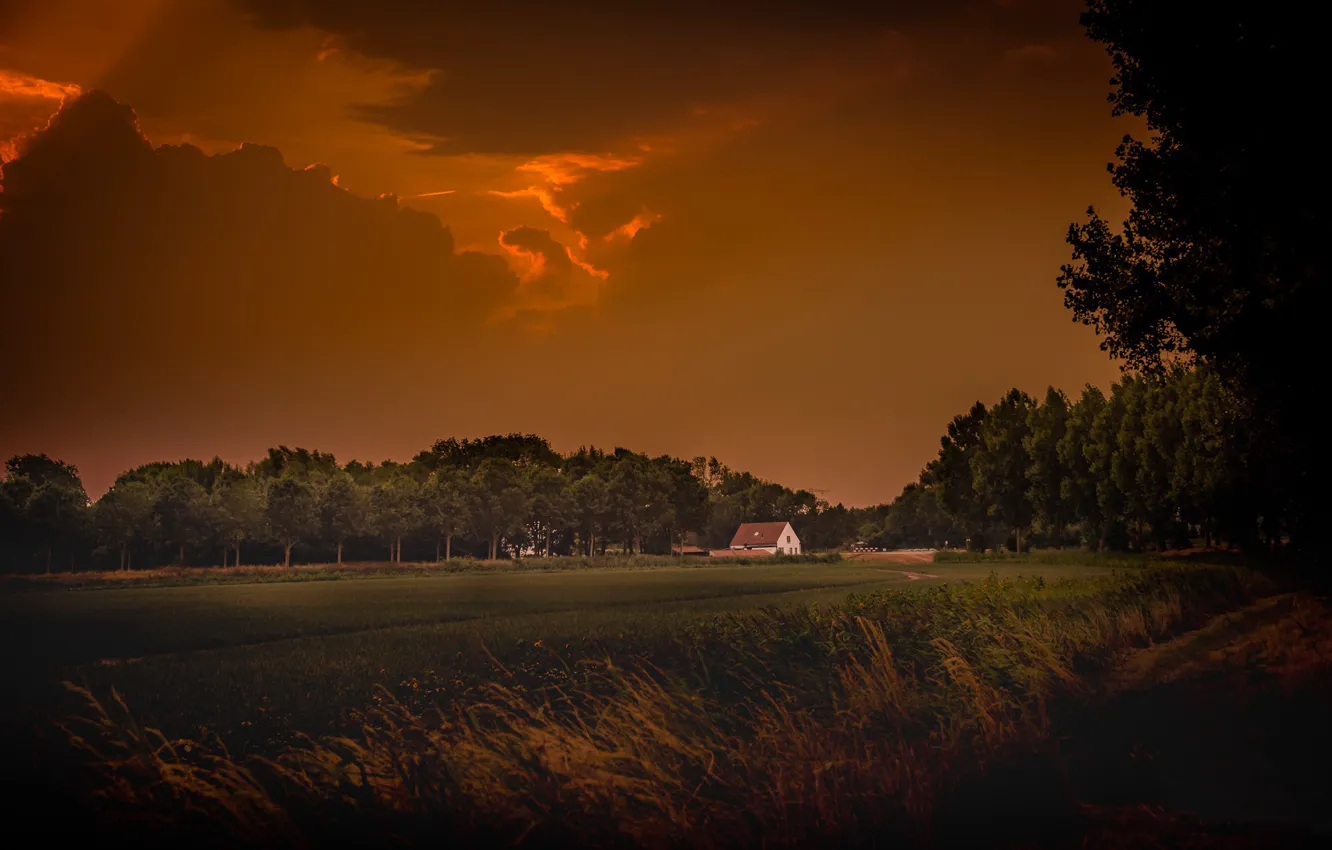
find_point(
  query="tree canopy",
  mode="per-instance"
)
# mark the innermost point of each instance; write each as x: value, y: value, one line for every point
x: 1221, y: 259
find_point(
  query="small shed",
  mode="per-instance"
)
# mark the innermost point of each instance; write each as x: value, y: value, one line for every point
x: 689, y: 551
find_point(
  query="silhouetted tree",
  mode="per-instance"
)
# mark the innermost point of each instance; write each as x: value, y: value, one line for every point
x: 1222, y: 257
x: 124, y: 516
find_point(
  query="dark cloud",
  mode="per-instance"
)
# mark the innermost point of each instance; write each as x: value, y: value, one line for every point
x: 532, y: 78
x: 539, y: 243
x: 137, y: 267
x: 555, y: 280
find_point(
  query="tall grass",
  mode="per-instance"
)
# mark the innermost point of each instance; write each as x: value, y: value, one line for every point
x: 1050, y: 557
x: 784, y: 727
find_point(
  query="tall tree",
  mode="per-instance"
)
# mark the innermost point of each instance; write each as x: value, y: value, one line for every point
x: 55, y: 512
x: 999, y: 466
x: 591, y: 508
x: 1102, y: 454
x: 1046, y: 426
x: 1219, y: 259
x: 689, y: 495
x: 950, y: 472
x: 240, y: 510
x: 344, y: 511
x: 550, y: 504
x: 184, y: 514
x: 499, y: 501
x: 640, y: 495
x: 1079, y: 487
x: 291, y: 512
x: 443, y: 507
x: 123, y: 517
x: 395, y: 510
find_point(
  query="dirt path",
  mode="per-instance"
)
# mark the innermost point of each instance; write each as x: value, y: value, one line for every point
x: 1228, y: 723
x: 910, y: 575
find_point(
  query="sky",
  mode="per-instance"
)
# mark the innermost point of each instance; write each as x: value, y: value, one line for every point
x: 798, y: 237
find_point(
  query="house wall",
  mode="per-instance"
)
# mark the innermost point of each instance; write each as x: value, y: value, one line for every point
x: 791, y: 548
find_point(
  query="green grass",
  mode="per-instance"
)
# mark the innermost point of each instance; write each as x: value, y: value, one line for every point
x: 258, y: 662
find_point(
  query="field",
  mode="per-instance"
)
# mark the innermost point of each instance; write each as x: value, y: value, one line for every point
x: 254, y: 662
x: 644, y: 705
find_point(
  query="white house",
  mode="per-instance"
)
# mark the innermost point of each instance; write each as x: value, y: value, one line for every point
x: 773, y: 537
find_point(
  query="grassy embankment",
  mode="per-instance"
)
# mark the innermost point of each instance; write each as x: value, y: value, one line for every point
x: 850, y: 722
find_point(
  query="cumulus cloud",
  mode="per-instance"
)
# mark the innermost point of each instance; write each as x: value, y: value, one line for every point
x: 124, y: 262
x: 26, y: 102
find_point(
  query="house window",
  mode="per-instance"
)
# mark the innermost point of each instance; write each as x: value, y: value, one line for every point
x: 788, y: 538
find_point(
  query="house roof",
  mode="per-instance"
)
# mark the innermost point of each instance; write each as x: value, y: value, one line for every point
x: 688, y: 550
x: 758, y: 534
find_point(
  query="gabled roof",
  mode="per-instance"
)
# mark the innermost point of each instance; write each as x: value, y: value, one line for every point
x: 758, y: 534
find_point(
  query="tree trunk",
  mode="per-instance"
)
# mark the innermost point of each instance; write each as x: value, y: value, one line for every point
x: 286, y: 554
x: 181, y: 560
x: 339, y: 553
x: 437, y: 548
x: 122, y: 559
x: 494, y: 545
x: 398, y: 554
x: 129, y: 560
x: 238, y: 552
x: 448, y: 547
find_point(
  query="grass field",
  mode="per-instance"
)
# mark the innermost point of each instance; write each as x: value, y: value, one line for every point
x: 788, y: 702
x: 255, y: 662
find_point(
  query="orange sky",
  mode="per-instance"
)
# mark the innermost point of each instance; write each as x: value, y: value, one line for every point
x: 798, y: 237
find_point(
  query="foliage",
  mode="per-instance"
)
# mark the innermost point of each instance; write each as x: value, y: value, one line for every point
x: 291, y: 513
x: 1218, y: 261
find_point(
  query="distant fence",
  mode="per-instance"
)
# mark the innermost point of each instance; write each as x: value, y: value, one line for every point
x: 875, y: 549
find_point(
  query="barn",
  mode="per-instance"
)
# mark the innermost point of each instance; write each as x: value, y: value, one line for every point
x: 777, y: 538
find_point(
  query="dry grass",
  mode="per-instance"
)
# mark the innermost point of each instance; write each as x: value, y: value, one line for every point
x: 786, y: 728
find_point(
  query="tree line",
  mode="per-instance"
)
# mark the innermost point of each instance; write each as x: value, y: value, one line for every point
x: 1162, y: 461
x: 499, y: 496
